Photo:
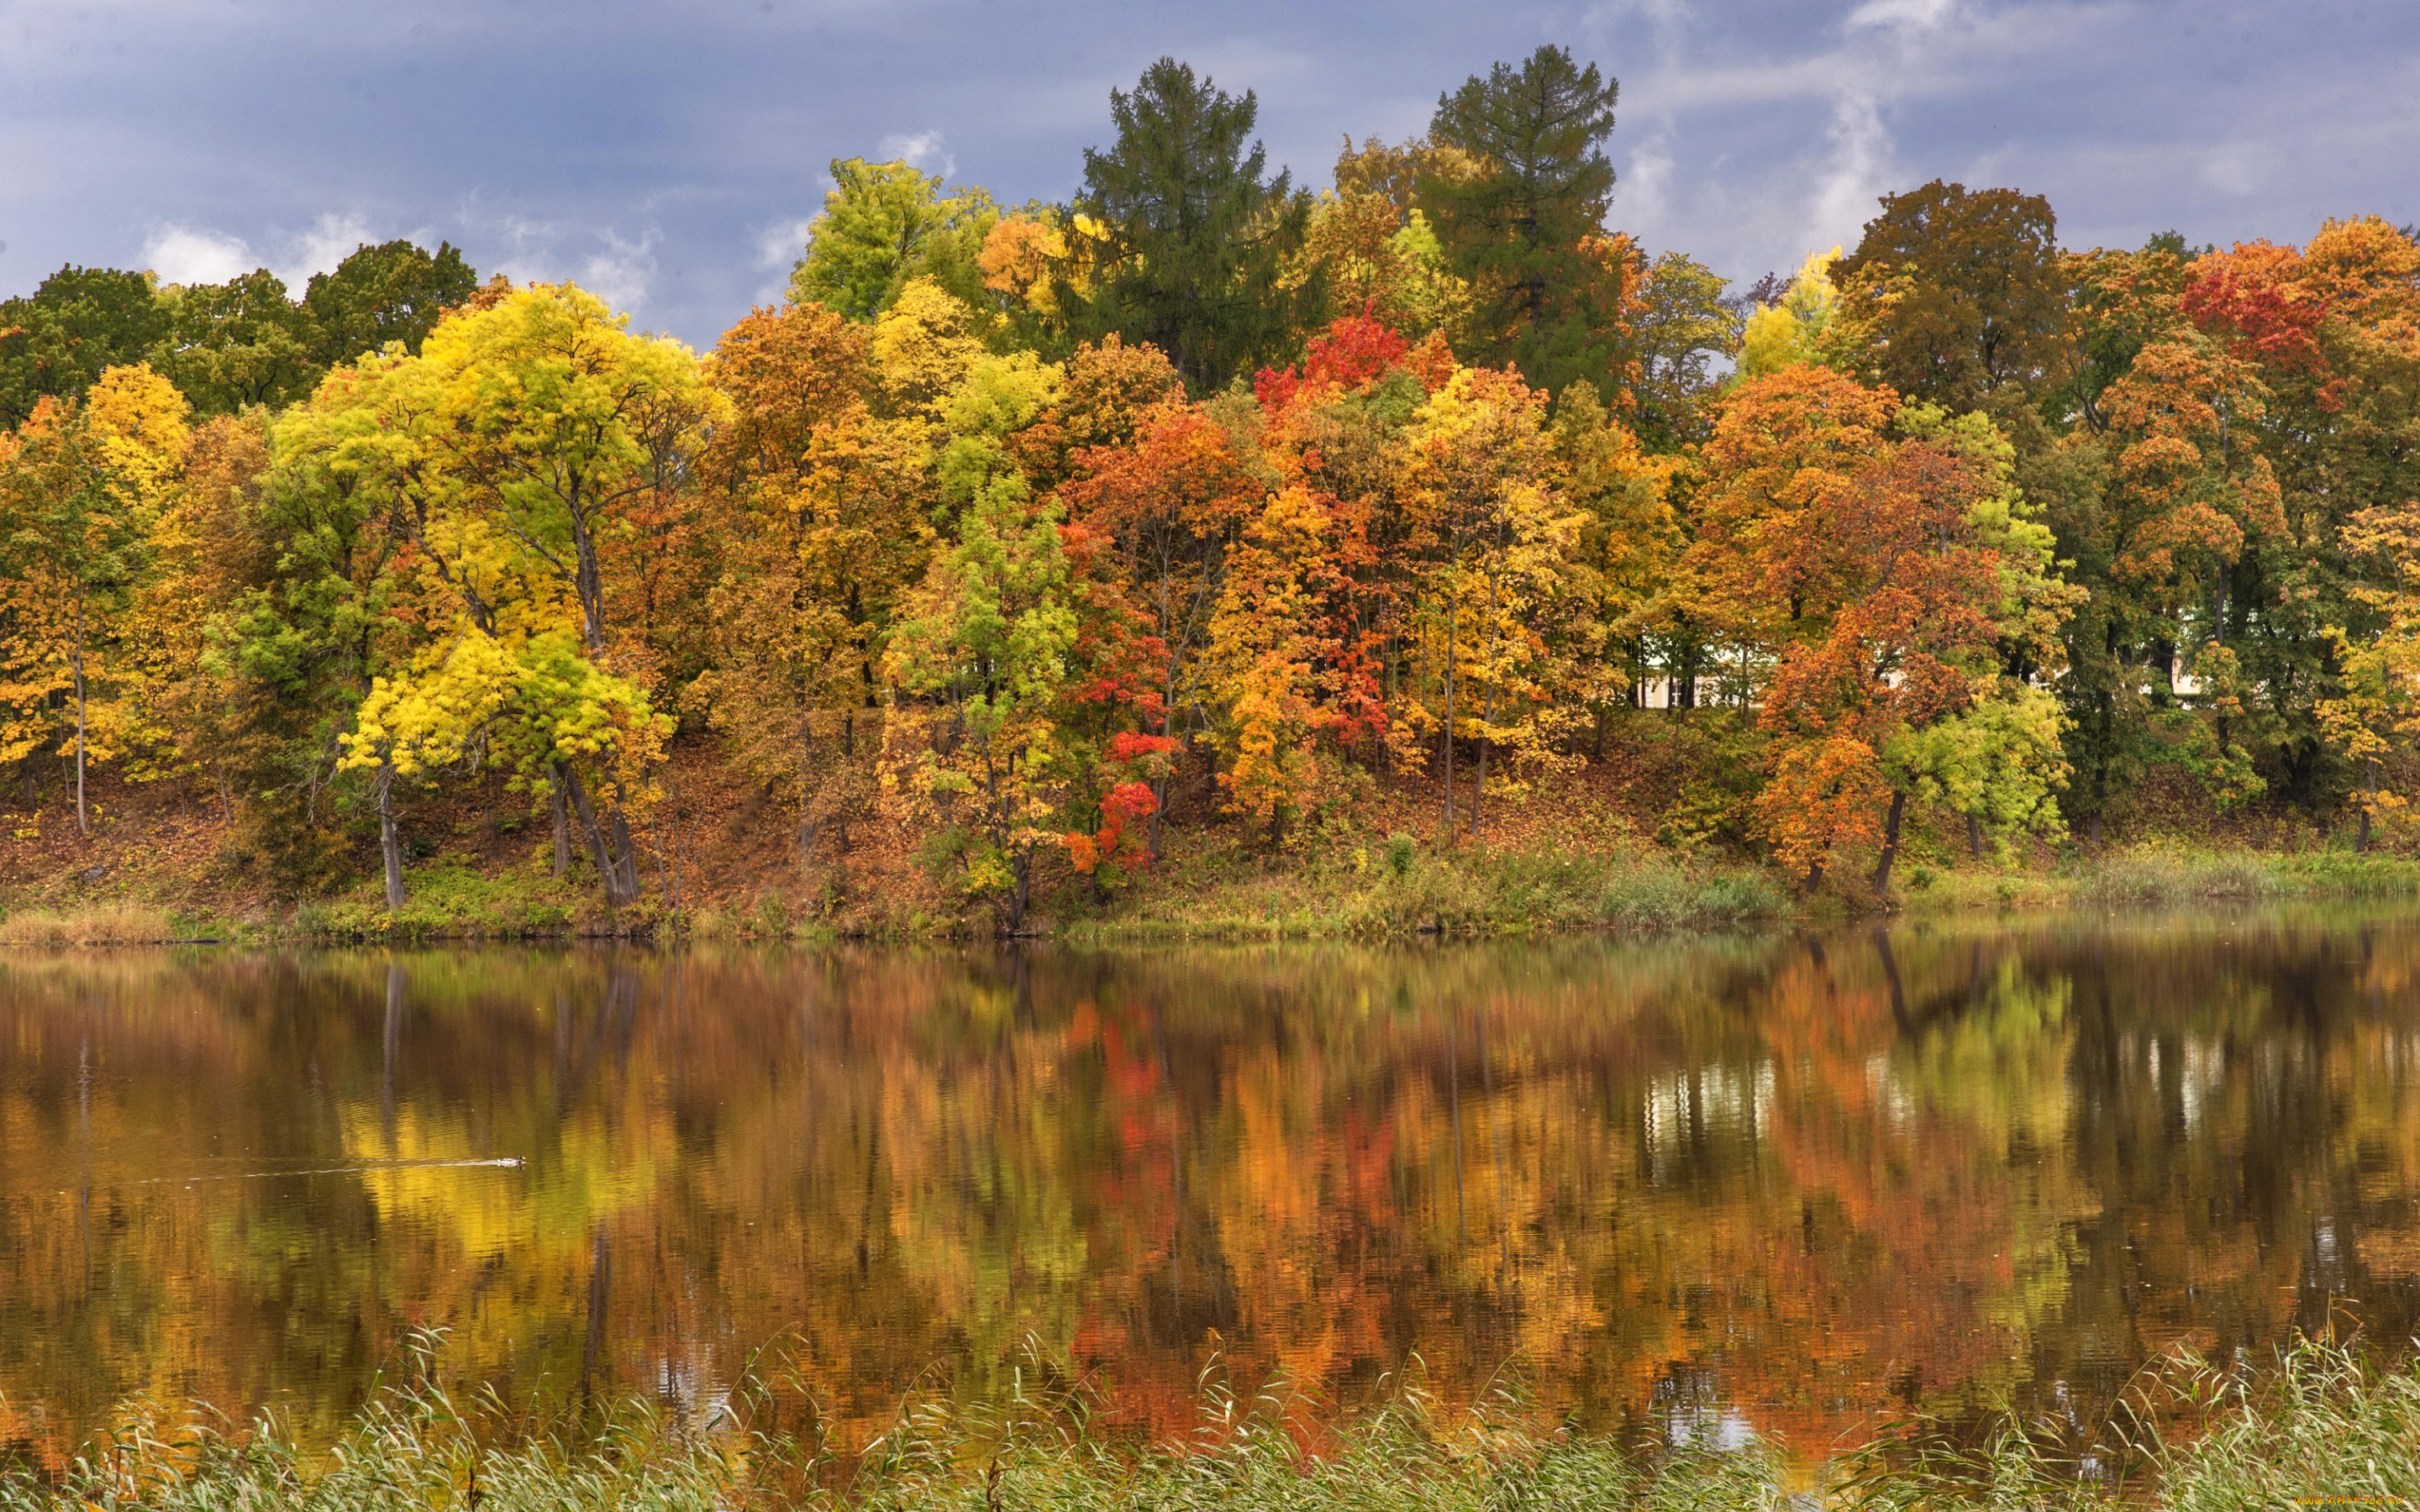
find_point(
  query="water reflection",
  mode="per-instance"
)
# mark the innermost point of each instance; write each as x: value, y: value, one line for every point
x: 1773, y: 1185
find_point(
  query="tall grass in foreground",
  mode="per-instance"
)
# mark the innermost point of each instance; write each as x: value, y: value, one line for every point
x: 2323, y: 1423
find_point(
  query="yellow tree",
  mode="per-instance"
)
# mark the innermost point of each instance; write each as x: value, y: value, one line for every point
x: 526, y: 432
x: 1628, y: 536
x: 1484, y: 486
x: 2375, y: 719
x: 818, y: 508
x: 1267, y: 638
x: 185, y: 706
x: 984, y: 649
x: 82, y: 487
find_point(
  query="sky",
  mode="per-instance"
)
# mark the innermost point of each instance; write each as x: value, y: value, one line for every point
x: 668, y: 156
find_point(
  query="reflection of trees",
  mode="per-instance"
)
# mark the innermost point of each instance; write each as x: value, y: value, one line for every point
x: 1798, y: 1176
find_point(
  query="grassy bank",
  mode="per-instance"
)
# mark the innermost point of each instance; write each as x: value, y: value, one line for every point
x: 1391, y: 889
x: 2155, y: 876
x: 1399, y: 887
x: 2323, y: 1423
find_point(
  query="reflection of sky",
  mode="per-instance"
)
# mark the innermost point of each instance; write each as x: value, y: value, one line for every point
x: 667, y: 156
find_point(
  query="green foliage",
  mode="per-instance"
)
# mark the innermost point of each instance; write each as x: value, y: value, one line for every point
x: 452, y: 898
x: 884, y: 223
x: 396, y: 291
x: 1679, y: 327
x: 56, y: 341
x: 238, y: 343
x: 1521, y: 215
x: 1185, y: 240
x: 1959, y: 293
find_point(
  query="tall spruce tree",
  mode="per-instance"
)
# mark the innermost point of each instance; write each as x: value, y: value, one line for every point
x: 1521, y: 211
x: 1186, y: 238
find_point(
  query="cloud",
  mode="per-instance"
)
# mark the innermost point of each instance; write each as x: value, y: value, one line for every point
x: 1644, y: 189
x: 780, y: 244
x: 2238, y: 169
x: 926, y: 150
x: 1667, y: 21
x: 190, y: 255
x: 1857, y: 174
x: 196, y: 255
x: 332, y: 238
x: 1902, y: 15
x: 621, y: 273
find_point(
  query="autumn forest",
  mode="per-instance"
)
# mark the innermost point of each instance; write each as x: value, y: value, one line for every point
x: 1032, y: 547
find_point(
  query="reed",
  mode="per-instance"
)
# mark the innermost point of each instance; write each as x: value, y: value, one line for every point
x: 108, y: 923
x: 2324, y: 1421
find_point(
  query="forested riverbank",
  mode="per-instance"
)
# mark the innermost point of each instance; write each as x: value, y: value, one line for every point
x: 1208, y: 555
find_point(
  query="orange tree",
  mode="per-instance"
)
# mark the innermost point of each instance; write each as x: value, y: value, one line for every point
x: 1877, y: 559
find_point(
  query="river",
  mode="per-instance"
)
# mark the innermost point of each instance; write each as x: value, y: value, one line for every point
x: 1780, y: 1185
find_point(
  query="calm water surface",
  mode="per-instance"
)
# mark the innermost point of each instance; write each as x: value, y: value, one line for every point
x: 1789, y: 1182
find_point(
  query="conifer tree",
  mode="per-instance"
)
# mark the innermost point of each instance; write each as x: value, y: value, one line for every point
x: 1521, y: 212
x: 1189, y: 239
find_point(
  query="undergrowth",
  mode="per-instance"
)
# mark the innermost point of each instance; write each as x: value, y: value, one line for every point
x: 448, y: 899
x: 1402, y: 887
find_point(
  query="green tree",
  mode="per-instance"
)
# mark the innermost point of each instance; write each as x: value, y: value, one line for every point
x: 985, y: 649
x: 392, y: 291
x: 58, y: 340
x: 238, y: 343
x: 1521, y: 214
x: 1186, y: 241
x: 1958, y: 294
x: 1679, y: 327
x: 884, y: 223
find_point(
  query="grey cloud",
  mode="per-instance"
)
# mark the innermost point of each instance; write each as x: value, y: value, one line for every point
x: 671, y: 151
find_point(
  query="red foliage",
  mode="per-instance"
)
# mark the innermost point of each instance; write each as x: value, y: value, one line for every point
x: 1356, y: 351
x: 2251, y: 298
x: 1125, y: 804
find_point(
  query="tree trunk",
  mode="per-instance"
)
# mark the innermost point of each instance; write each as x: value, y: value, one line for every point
x: 1478, y: 789
x: 1975, y: 837
x: 390, y: 841
x: 625, y: 856
x: 1890, y: 846
x: 562, y: 830
x: 1012, y: 912
x: 2093, y: 832
x: 806, y: 791
x: 1450, y: 624
x: 83, y: 825
x: 848, y: 782
x: 2370, y: 801
x: 1814, y: 875
x: 609, y: 868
